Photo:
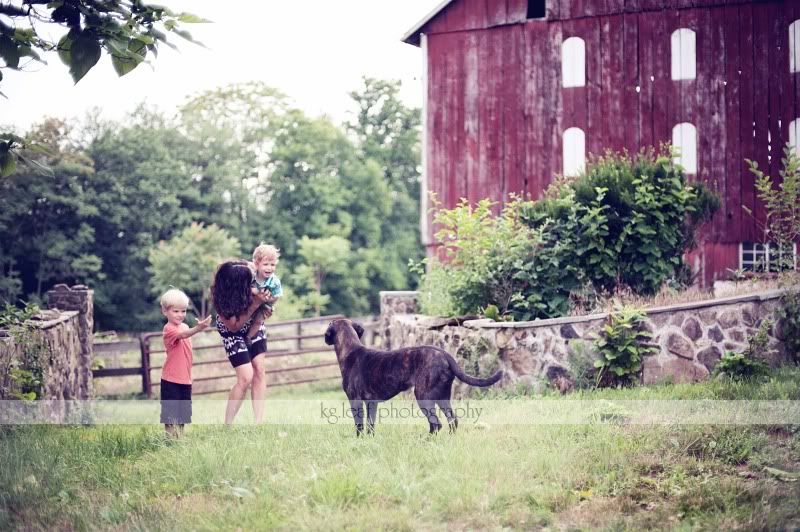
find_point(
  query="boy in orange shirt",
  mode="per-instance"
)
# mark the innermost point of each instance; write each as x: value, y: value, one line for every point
x: 176, y: 375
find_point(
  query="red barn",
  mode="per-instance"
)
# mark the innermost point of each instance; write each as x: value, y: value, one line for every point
x: 520, y: 90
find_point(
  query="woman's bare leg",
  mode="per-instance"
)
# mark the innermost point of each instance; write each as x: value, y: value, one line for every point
x: 259, y: 389
x: 244, y: 376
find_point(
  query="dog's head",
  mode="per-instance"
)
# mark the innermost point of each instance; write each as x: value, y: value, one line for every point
x: 337, y: 325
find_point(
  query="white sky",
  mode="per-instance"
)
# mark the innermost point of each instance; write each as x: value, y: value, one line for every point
x: 315, y: 51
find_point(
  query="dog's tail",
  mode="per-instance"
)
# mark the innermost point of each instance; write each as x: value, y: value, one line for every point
x: 472, y: 381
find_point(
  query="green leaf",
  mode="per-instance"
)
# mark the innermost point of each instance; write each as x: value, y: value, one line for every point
x: 85, y: 54
x: 9, y: 51
x: 189, y: 18
x: 27, y: 51
x: 8, y: 164
x: 64, y: 48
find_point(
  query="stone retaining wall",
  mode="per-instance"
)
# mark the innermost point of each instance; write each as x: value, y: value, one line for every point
x: 65, y: 333
x: 60, y: 356
x: 692, y: 337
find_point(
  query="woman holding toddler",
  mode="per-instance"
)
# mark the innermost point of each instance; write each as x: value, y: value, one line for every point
x: 239, y: 305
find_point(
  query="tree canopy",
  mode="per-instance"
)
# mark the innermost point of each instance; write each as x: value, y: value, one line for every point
x: 123, y: 199
x: 78, y: 31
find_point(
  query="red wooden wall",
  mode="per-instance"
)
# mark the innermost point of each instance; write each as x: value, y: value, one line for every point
x: 496, y: 110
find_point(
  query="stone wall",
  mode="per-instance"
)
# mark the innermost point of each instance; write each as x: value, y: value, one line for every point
x: 692, y: 337
x: 65, y: 333
x: 57, y: 333
x: 81, y: 299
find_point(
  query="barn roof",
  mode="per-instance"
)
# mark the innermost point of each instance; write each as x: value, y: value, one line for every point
x: 412, y: 35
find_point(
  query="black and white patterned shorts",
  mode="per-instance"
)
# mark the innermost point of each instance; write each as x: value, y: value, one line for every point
x: 238, y: 347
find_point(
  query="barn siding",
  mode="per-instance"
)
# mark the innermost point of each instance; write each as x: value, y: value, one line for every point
x: 497, y: 111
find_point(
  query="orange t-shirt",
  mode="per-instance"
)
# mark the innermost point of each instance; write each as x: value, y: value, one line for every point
x: 178, y: 366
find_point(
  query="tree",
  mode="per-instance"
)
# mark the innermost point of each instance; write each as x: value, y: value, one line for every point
x: 782, y: 204
x: 144, y: 190
x: 188, y: 260
x: 234, y: 128
x: 387, y: 132
x: 128, y: 30
x: 322, y: 256
x: 46, y: 233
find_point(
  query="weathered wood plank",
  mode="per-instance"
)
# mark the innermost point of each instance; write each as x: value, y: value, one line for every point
x: 632, y: 103
x: 646, y: 79
x: 595, y: 112
x: 512, y: 114
x: 762, y: 20
x: 732, y: 214
x: 746, y: 117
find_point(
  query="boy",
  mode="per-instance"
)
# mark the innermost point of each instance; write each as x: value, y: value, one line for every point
x: 265, y: 261
x: 176, y: 375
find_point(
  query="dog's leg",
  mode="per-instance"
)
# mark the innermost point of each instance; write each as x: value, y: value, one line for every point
x: 452, y: 420
x: 357, y: 409
x: 372, y: 407
x: 428, y: 408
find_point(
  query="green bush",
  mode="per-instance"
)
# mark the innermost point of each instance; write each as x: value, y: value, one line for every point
x: 624, y: 223
x: 622, y: 346
x: 23, y: 377
x: 788, y: 314
x: 750, y: 362
x: 500, y: 261
x: 629, y: 220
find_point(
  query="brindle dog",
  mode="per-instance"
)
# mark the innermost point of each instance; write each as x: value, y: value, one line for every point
x: 371, y: 376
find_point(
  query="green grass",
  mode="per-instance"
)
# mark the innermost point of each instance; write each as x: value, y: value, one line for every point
x: 589, y: 476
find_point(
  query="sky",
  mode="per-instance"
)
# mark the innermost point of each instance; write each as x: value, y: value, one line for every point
x: 315, y: 51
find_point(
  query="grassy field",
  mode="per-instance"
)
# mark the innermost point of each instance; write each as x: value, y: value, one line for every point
x: 586, y: 476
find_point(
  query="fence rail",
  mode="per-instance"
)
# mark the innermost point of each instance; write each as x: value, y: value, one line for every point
x: 298, y: 336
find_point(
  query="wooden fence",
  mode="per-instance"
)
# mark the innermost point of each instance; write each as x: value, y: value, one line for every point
x: 287, y: 340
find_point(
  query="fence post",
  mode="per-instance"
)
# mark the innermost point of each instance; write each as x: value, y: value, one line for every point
x: 147, y: 387
x: 299, y: 334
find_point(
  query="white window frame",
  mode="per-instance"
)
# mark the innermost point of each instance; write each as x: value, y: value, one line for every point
x: 759, y: 257
x: 684, y: 140
x: 794, y: 46
x: 794, y: 135
x: 684, y: 54
x: 573, y: 149
x: 573, y: 62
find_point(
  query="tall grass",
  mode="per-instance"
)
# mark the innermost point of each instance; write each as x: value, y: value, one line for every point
x: 322, y: 477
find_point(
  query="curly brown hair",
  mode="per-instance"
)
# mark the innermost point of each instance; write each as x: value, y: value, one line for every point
x: 230, y: 290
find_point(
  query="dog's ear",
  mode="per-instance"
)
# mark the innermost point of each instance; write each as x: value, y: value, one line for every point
x: 329, y: 334
x: 359, y: 329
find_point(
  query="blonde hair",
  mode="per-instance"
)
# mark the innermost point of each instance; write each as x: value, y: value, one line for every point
x: 265, y: 250
x: 174, y: 298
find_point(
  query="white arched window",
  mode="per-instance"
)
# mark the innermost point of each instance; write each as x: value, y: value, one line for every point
x: 573, y: 62
x: 794, y: 46
x: 684, y: 140
x: 574, y: 147
x: 794, y: 135
x: 684, y: 54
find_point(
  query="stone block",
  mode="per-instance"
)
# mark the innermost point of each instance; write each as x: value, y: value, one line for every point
x: 715, y: 334
x: 709, y: 357
x: 728, y: 318
x: 692, y: 329
x: 680, y: 346
x: 676, y: 369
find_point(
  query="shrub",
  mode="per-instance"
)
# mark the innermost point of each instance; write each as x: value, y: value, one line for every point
x: 750, y: 362
x: 740, y: 365
x: 23, y: 377
x: 782, y: 205
x: 624, y: 224
x: 631, y: 219
x: 788, y: 314
x: 622, y: 346
x: 501, y: 261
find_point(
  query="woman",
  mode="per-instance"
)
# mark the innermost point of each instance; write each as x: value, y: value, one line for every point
x: 236, y: 302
